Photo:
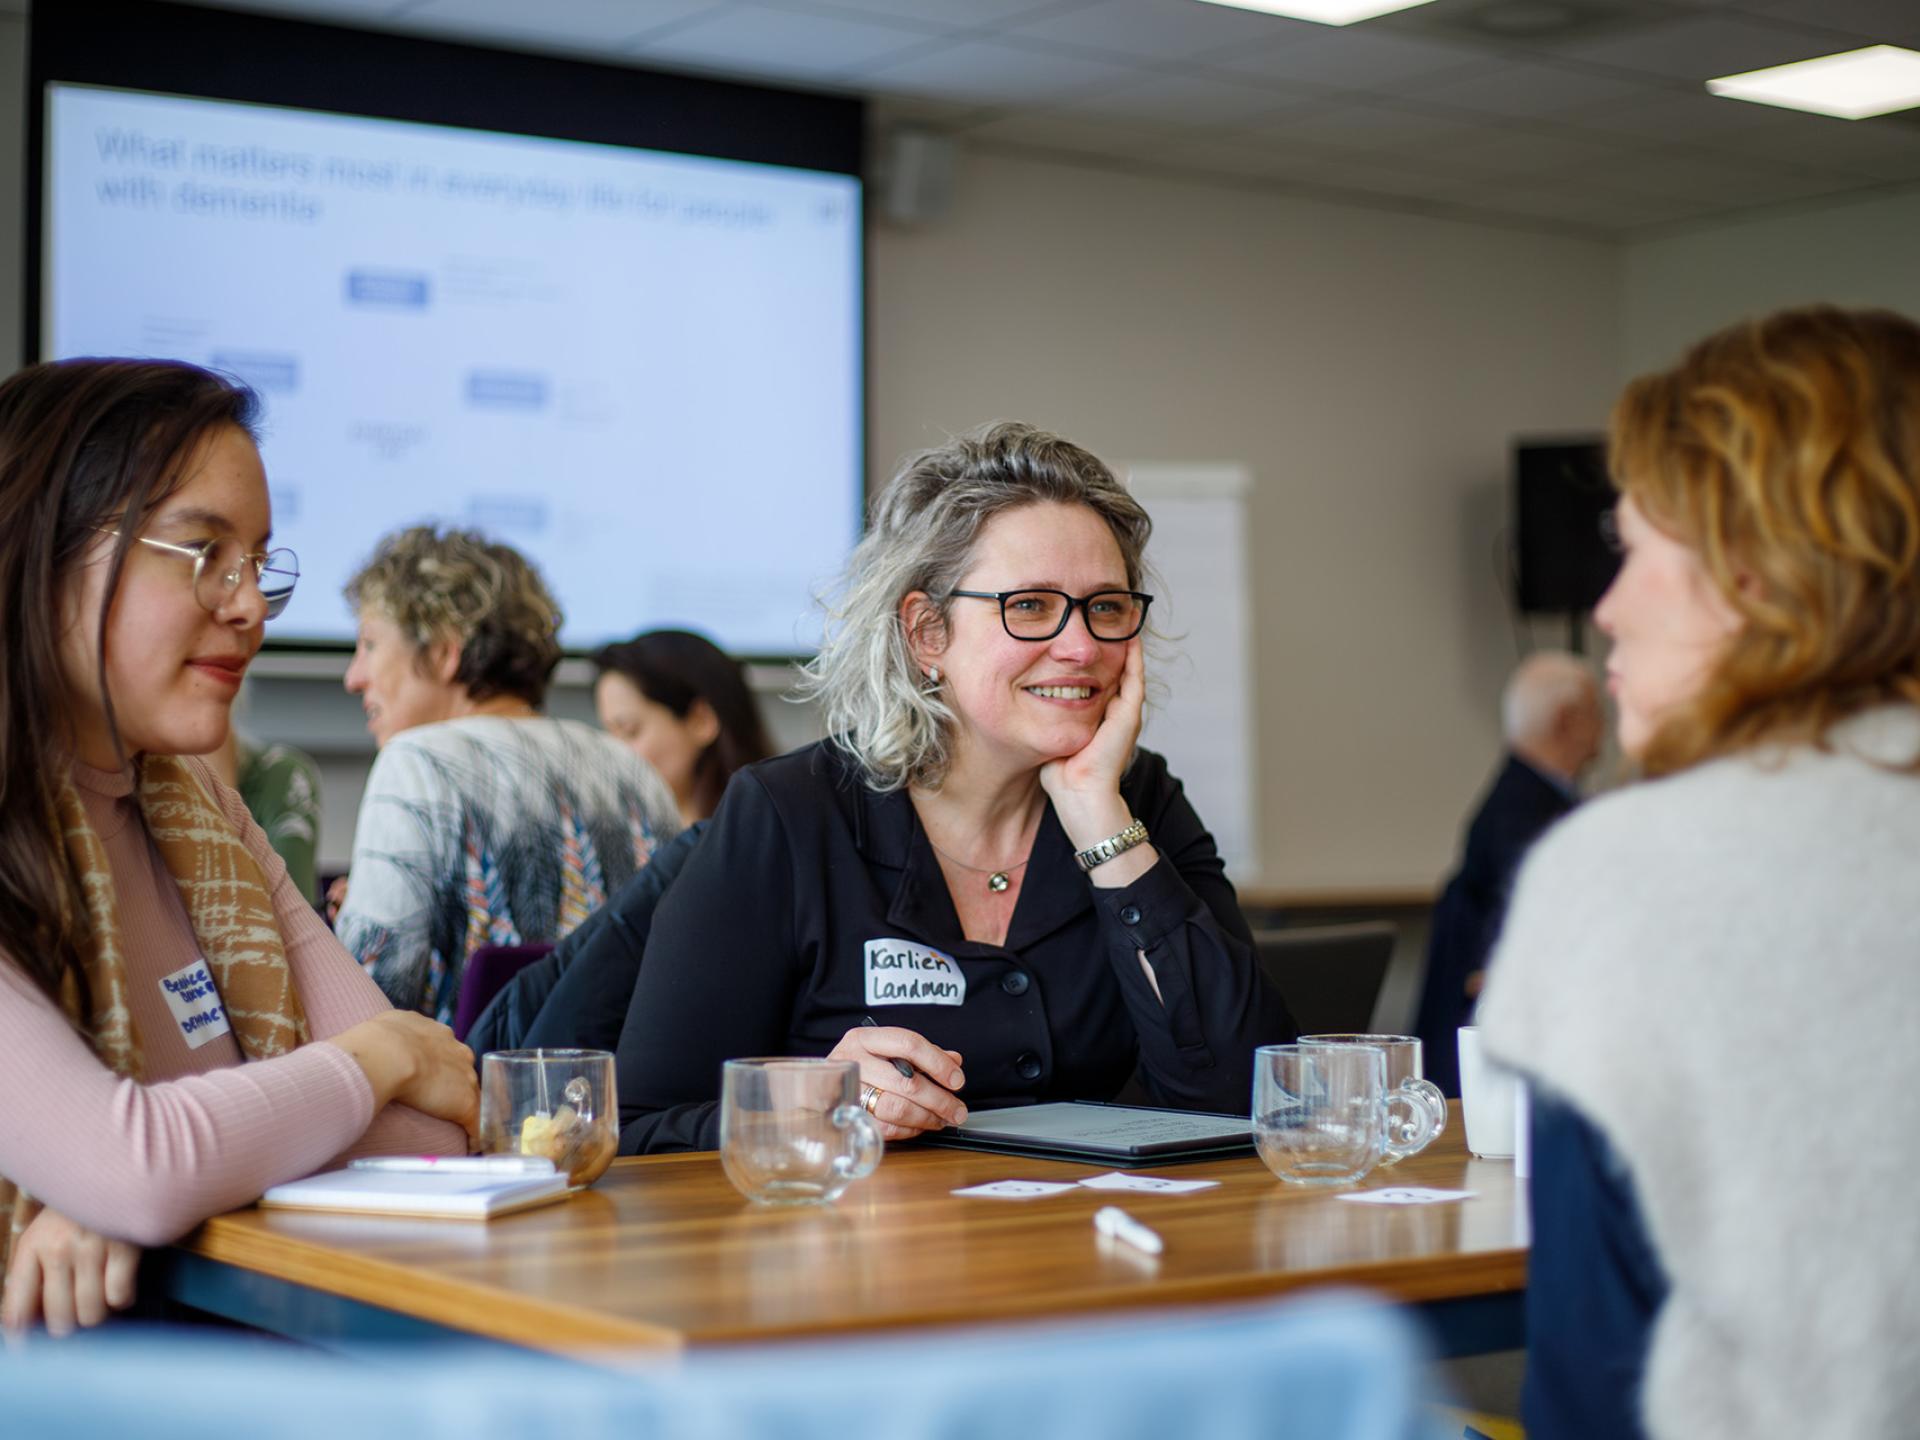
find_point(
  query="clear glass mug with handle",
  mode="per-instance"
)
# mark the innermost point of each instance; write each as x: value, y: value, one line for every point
x: 1319, y: 1111
x: 1417, y: 1110
x: 557, y: 1103
x: 792, y: 1131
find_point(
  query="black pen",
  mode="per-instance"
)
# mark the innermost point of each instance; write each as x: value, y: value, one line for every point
x: 903, y: 1066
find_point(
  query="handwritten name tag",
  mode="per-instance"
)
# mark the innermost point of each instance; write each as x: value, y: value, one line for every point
x: 902, y: 973
x: 195, y: 1002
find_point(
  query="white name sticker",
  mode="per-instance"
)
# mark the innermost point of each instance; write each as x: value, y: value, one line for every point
x: 900, y: 972
x: 195, y: 1002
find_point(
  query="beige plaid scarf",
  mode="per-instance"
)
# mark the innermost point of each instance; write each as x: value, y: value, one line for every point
x: 226, y: 896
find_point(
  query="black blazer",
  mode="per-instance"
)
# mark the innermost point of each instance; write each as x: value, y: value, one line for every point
x: 814, y: 900
x: 1516, y: 811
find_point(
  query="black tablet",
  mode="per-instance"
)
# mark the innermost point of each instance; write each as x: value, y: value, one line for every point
x: 1095, y: 1131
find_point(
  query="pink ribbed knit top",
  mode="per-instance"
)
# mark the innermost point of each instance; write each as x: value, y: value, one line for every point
x: 203, y: 1132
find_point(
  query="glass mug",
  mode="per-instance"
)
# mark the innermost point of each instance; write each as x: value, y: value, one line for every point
x: 556, y: 1103
x: 792, y: 1131
x: 1408, y: 1092
x: 1321, y: 1113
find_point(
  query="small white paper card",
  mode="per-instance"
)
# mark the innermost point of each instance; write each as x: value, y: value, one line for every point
x: 1152, y: 1184
x: 1405, y: 1195
x: 195, y: 1002
x: 1015, y: 1189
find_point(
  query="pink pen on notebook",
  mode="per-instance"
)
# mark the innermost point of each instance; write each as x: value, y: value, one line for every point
x: 455, y: 1164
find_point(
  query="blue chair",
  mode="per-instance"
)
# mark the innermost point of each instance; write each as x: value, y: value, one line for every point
x: 1332, y: 1368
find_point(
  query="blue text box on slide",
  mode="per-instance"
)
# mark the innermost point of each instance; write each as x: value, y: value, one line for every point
x: 387, y: 289
x: 275, y: 374
x: 506, y: 390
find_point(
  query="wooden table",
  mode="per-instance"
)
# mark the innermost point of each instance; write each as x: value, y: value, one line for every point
x: 663, y: 1253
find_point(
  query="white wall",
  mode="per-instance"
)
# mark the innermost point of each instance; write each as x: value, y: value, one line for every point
x: 1680, y: 288
x: 1368, y: 368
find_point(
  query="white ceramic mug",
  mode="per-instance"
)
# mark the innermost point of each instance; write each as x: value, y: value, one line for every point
x: 1487, y: 1095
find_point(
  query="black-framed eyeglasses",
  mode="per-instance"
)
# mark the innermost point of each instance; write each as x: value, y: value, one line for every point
x: 220, y: 565
x: 1043, y: 614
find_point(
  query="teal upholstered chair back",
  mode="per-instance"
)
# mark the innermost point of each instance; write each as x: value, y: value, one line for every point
x: 1328, y: 1369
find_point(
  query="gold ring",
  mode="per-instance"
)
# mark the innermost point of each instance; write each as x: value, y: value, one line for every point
x: 869, y: 1097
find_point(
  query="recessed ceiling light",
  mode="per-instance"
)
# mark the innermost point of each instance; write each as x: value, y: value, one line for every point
x: 1323, y: 12
x: 1853, y: 85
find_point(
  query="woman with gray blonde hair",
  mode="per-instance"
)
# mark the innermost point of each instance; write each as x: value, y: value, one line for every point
x: 978, y: 887
x: 484, y: 822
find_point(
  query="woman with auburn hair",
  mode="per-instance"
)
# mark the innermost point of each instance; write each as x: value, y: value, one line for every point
x: 1708, y: 976
x: 178, y: 1030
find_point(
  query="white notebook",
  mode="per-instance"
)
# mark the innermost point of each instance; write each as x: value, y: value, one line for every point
x: 452, y: 1196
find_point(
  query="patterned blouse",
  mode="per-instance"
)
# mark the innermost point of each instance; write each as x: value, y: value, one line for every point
x: 491, y: 831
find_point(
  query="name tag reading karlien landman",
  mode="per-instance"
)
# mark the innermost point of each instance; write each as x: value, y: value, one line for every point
x: 900, y: 972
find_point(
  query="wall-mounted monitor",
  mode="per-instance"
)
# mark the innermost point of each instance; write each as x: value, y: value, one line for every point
x: 612, y: 318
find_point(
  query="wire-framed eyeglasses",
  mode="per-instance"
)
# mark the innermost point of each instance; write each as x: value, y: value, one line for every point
x: 1043, y: 614
x: 220, y: 565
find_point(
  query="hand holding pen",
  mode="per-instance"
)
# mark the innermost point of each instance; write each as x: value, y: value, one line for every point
x: 907, y: 1081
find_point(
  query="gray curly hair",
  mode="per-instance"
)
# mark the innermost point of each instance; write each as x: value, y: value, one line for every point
x: 457, y: 584
x: 921, y: 535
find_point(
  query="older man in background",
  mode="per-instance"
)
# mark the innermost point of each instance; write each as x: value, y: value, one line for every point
x: 1551, y: 713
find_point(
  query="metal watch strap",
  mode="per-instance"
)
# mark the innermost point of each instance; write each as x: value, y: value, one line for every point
x: 1107, y: 849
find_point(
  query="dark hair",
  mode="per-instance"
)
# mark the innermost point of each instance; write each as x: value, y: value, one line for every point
x: 85, y: 446
x: 674, y: 668
x: 457, y: 584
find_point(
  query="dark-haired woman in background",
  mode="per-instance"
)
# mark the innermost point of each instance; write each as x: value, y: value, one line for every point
x: 178, y: 1030
x: 682, y: 704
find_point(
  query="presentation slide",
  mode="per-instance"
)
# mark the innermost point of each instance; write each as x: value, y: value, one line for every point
x: 641, y: 369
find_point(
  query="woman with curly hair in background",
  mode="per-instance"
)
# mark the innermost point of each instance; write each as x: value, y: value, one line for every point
x: 484, y: 822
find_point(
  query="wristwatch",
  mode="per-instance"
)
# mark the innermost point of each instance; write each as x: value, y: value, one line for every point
x: 1107, y: 849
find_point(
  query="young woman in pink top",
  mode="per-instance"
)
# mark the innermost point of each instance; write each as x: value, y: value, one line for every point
x: 178, y: 1030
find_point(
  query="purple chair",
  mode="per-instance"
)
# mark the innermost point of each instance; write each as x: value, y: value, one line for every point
x: 488, y: 970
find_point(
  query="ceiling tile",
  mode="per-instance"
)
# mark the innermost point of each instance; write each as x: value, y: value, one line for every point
x: 1184, y: 100
x: 931, y: 14
x: 1153, y: 29
x: 771, y: 42
x: 1517, y: 152
x: 1353, y: 59
x: 600, y: 25
x: 1534, y: 90
x: 1671, y: 116
x: 986, y: 73
x: 1373, y: 128
x: 1882, y: 22
x: 1703, y: 47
